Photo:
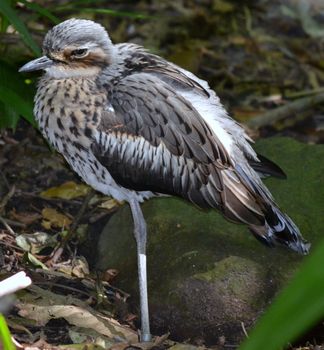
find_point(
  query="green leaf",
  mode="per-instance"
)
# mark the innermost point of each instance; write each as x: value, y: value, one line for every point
x: 34, y: 261
x: 75, y: 5
x: 24, y: 108
x: 5, y: 336
x: 16, y: 97
x: 41, y: 10
x: 8, y: 116
x: 297, y: 308
x: 116, y: 13
x: 12, y: 17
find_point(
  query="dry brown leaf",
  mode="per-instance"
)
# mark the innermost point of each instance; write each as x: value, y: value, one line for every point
x: 109, y: 275
x: 76, y: 316
x: 78, y: 268
x: 25, y: 217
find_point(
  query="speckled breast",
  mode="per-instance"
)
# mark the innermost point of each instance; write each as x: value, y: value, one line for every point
x: 68, y: 111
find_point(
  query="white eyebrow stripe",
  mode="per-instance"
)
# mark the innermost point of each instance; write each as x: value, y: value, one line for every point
x: 89, y: 45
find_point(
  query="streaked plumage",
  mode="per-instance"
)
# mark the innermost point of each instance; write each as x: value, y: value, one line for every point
x: 133, y: 125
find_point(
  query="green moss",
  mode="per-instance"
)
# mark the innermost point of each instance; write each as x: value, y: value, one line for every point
x: 239, y: 277
x: 223, y: 268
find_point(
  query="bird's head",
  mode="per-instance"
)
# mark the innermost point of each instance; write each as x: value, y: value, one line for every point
x: 76, y: 47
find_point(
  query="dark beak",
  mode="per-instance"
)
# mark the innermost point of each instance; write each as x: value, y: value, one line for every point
x: 37, y: 64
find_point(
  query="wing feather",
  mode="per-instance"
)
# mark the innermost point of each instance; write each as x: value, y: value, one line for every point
x: 156, y: 141
x: 162, y: 144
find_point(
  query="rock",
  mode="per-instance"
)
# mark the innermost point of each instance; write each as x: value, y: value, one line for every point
x: 207, y: 275
x: 215, y: 303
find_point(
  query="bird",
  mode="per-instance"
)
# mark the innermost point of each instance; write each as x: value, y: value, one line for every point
x: 134, y: 126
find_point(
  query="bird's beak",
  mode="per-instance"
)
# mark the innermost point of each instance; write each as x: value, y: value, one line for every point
x: 40, y: 63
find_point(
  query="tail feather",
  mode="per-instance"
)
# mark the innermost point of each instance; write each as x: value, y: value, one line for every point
x: 279, y: 229
x: 266, y: 167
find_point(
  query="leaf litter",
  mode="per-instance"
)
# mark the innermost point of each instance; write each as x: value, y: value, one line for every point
x: 62, y: 305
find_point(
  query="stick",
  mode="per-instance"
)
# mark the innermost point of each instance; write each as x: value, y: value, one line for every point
x: 58, y: 252
x: 5, y: 224
x: 7, y: 197
x: 289, y: 109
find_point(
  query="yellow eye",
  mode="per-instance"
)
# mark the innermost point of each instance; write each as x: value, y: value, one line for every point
x: 78, y: 53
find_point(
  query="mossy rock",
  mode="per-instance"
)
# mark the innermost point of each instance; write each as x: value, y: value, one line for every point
x: 189, y: 248
x: 215, y: 303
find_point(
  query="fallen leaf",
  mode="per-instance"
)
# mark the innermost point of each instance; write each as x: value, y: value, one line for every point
x: 68, y: 190
x: 35, y: 242
x: 88, y: 337
x: 110, y: 204
x: 77, y: 337
x: 78, y: 317
x: 109, y: 275
x: 80, y: 267
x: 53, y: 218
x: 222, y: 6
x: 25, y: 217
x: 33, y: 260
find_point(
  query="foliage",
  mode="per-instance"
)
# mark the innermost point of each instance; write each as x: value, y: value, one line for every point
x: 11, y: 16
x: 301, y: 304
x: 5, y: 336
x: 296, y: 309
x: 16, y: 98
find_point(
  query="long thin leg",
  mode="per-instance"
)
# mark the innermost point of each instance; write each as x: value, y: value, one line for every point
x: 140, y: 237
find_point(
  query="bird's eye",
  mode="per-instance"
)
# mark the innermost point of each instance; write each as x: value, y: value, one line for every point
x: 79, y: 53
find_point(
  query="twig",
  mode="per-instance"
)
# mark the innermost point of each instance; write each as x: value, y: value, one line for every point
x: 14, y: 283
x: 3, y: 204
x: 13, y: 246
x: 5, y: 224
x: 244, y: 330
x: 82, y: 210
x: 5, y: 180
x: 58, y: 252
x: 289, y: 109
x: 7, y: 197
x: 52, y: 284
x: 304, y: 93
x: 231, y: 346
x: 15, y: 223
x: 59, y: 200
x: 18, y: 345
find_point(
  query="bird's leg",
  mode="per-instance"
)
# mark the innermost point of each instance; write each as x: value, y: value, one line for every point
x: 140, y: 237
